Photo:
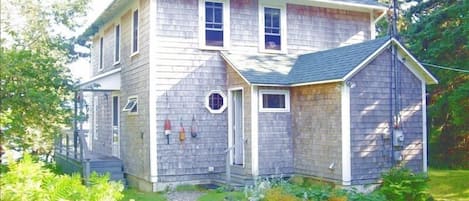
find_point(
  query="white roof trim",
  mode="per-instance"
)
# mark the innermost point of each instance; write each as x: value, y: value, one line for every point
x: 110, y: 80
x: 429, y: 78
x: 232, y: 66
x: 317, y: 82
x: 337, y: 4
x: 366, y: 61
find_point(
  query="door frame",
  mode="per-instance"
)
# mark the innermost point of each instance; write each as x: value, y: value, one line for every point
x: 230, y: 123
x: 116, y: 94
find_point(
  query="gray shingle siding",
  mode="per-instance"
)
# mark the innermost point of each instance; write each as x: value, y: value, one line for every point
x: 370, y: 120
x: 275, y: 143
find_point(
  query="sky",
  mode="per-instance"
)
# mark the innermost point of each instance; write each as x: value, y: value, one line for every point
x: 81, y: 68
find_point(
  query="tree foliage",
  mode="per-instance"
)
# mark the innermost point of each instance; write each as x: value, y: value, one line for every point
x: 437, y: 32
x: 34, y: 81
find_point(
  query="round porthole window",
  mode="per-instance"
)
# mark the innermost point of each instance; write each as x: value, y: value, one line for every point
x: 215, y: 101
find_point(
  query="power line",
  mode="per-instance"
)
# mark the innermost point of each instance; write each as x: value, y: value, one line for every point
x: 446, y: 68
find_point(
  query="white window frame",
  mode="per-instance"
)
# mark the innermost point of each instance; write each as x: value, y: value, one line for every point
x: 132, y: 51
x: 131, y: 108
x: 117, y: 51
x: 222, y: 108
x: 286, y: 93
x: 101, y: 54
x: 283, y: 25
x: 226, y: 25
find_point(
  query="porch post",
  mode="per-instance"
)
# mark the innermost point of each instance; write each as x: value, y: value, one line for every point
x: 75, y: 125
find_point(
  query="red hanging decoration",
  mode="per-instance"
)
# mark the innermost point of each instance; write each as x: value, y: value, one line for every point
x: 167, y: 129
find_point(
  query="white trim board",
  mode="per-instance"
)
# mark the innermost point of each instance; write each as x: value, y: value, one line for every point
x: 153, y: 135
x: 254, y: 132
x: 346, y: 136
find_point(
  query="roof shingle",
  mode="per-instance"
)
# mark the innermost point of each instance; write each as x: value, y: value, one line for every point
x: 319, y: 66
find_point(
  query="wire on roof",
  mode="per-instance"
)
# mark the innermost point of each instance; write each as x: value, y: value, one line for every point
x: 446, y: 68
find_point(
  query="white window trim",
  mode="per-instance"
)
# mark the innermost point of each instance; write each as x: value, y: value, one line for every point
x: 129, y: 111
x: 226, y: 25
x: 283, y: 26
x: 222, y: 108
x: 132, y: 53
x: 101, y: 54
x: 120, y: 43
x: 286, y: 93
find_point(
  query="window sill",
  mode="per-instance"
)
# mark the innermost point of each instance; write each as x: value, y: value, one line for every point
x: 274, y: 110
x: 134, y: 54
x: 100, y: 70
x: 213, y: 48
x: 117, y: 63
x: 272, y: 51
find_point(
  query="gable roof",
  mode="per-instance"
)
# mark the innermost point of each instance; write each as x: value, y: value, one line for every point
x: 332, y: 65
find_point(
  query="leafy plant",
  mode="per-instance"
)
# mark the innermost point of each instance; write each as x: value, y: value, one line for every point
x: 401, y: 184
x: 30, y: 180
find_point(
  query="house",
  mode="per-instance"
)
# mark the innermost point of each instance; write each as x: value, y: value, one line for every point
x: 193, y: 91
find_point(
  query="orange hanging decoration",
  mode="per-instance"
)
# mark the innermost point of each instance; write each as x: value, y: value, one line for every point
x: 182, y: 133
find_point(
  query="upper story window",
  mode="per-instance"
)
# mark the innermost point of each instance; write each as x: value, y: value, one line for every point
x: 101, y: 53
x: 117, y: 37
x: 214, y: 23
x: 135, y: 24
x: 272, y: 30
x: 274, y: 101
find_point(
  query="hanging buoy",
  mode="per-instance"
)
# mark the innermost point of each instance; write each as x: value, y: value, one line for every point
x: 182, y: 133
x: 194, y: 127
x: 167, y: 129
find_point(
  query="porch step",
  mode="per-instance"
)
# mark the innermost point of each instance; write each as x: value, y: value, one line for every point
x: 113, y: 166
x: 238, y: 180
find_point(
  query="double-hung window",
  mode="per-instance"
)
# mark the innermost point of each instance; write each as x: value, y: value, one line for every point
x: 117, y: 38
x: 272, y: 30
x: 272, y: 39
x: 135, y: 24
x: 214, y: 23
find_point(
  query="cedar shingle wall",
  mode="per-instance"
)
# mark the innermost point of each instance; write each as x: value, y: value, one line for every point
x: 370, y: 120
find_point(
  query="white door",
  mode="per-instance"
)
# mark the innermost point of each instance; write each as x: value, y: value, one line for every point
x: 115, y: 126
x: 238, y: 141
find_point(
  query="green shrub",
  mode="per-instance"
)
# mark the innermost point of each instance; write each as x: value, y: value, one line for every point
x: 400, y: 184
x: 278, y: 194
x: 30, y: 180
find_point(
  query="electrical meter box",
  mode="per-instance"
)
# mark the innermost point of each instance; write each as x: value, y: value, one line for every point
x: 398, y: 138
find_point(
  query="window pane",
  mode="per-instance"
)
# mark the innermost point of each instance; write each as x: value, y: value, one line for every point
x: 135, y: 32
x: 214, y: 38
x: 272, y: 28
x: 272, y: 42
x: 117, y: 45
x: 115, y: 110
x: 215, y: 101
x: 101, y: 43
x: 213, y: 24
x: 273, y: 101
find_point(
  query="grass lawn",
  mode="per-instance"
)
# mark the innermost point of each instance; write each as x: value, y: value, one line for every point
x: 449, y: 184
x: 142, y: 196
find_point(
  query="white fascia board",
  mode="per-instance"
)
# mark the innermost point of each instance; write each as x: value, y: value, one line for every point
x: 109, y: 80
x: 366, y: 61
x: 317, y: 82
x: 232, y: 66
x: 429, y: 78
x: 338, y: 5
x: 152, y: 95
